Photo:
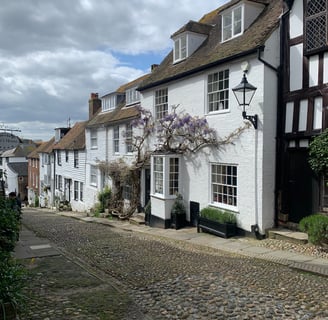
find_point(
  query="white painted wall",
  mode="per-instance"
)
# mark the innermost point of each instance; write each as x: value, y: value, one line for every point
x: 325, y: 68
x: 255, y: 179
x: 313, y: 71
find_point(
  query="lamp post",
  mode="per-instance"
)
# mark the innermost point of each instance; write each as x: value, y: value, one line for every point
x: 244, y: 93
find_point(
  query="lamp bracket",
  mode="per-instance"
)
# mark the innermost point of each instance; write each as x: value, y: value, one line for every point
x: 252, y: 119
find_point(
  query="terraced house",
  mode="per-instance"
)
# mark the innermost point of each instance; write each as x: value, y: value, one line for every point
x: 208, y: 60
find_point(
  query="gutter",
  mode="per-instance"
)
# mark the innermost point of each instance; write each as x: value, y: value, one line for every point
x: 201, y: 68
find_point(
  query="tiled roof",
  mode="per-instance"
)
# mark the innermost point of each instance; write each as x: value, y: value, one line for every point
x: 213, y: 52
x: 19, y: 167
x: 74, y: 139
x: 120, y: 114
x: 196, y: 27
x: 46, y: 147
x: 19, y: 151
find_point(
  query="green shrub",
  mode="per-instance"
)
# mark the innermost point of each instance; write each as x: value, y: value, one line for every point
x: 12, y: 281
x: 318, y: 153
x: 218, y: 215
x: 9, y: 224
x: 316, y: 226
x: 178, y: 206
x: 36, y: 202
x: 104, y: 198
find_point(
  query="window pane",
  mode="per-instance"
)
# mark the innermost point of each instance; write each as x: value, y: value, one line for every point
x: 161, y: 103
x: 218, y: 91
x: 224, y: 184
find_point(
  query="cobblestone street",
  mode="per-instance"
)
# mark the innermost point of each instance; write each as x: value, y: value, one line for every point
x: 167, y: 279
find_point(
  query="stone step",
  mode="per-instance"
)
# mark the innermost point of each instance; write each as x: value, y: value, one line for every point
x: 288, y: 235
x: 138, y: 218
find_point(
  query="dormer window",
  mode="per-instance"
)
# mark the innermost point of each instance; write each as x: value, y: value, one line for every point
x: 232, y: 23
x: 132, y: 96
x: 180, y: 48
x: 108, y: 102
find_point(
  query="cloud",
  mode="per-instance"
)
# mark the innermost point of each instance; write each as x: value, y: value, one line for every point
x: 53, y: 54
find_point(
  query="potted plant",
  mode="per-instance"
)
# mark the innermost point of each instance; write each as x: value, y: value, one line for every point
x: 178, y: 213
x: 219, y: 222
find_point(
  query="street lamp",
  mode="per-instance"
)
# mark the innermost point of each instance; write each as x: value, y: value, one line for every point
x: 244, y: 93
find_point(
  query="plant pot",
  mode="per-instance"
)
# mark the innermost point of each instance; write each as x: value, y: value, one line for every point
x: 178, y: 221
x: 8, y: 311
x: 224, y: 230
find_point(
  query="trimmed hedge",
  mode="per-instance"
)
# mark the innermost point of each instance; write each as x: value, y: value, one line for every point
x: 218, y: 215
x: 316, y: 226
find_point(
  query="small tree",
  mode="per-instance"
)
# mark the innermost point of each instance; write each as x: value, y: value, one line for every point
x: 318, y: 153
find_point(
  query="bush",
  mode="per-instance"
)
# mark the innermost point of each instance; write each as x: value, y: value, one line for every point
x: 178, y: 206
x: 316, y: 226
x: 218, y: 215
x: 318, y: 152
x: 12, y: 281
x: 104, y: 198
x: 9, y: 224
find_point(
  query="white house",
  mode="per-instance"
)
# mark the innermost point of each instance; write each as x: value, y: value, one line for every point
x: 107, y: 135
x: 198, y: 75
x: 69, y: 167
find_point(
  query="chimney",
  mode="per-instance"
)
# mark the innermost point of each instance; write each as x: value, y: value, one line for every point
x: 153, y: 67
x: 94, y: 105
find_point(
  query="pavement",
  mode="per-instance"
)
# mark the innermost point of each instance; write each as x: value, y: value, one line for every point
x: 31, y: 246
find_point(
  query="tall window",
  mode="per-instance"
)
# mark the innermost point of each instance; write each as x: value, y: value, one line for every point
x: 66, y: 155
x: 218, y: 91
x: 59, y: 161
x: 128, y: 138
x: 93, y: 175
x: 76, y: 190
x: 224, y: 184
x: 116, y: 139
x: 316, y: 23
x: 174, y: 176
x: 180, y: 48
x: 127, y: 190
x: 81, y: 191
x: 161, y: 103
x: 76, y: 158
x: 158, y: 175
x: 232, y: 23
x: 93, y: 139
x: 60, y: 182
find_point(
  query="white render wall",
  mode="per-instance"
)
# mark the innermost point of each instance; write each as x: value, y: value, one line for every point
x: 255, y: 163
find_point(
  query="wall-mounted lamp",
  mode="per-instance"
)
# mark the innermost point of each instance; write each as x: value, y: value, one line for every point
x: 244, y: 93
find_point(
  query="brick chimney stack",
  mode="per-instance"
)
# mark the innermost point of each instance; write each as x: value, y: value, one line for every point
x: 94, y: 105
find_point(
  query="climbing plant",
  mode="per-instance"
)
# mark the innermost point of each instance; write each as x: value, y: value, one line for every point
x: 177, y: 132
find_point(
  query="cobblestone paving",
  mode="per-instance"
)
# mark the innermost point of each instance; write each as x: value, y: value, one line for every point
x: 177, y: 280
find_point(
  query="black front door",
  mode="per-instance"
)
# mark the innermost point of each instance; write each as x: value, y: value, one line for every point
x: 147, y: 185
x: 302, y: 187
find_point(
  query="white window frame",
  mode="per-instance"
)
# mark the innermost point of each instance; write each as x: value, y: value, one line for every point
x: 180, y: 48
x: 116, y: 139
x: 128, y: 138
x: 93, y: 176
x: 59, y: 159
x: 108, y: 102
x: 76, y: 158
x: 166, y: 175
x: 224, y: 185
x: 76, y: 190
x: 232, y: 24
x: 132, y: 96
x: 81, y: 191
x: 218, y: 91
x: 94, y: 139
x: 161, y: 103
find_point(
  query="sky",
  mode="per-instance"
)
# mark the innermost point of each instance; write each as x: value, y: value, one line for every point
x: 54, y: 53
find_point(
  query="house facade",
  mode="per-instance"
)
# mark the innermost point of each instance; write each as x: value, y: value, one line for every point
x: 33, y: 182
x: 108, y: 137
x: 208, y: 60
x: 303, y: 110
x: 69, y: 167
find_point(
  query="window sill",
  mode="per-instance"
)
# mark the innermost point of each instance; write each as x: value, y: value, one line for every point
x: 224, y: 206
x: 218, y: 112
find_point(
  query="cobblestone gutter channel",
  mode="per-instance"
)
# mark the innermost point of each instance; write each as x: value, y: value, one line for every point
x: 166, y: 279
